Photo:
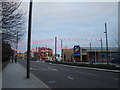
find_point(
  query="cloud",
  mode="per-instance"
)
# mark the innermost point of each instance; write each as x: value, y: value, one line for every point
x: 73, y: 20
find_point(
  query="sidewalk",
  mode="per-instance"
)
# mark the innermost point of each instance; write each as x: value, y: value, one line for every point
x: 14, y: 76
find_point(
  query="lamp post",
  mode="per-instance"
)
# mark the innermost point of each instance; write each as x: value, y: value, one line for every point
x: 90, y: 52
x: 101, y: 49
x: 61, y: 47
x: 55, y: 48
x: 106, y: 42
x: 29, y: 40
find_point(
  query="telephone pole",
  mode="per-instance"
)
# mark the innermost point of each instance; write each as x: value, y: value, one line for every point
x: 29, y: 40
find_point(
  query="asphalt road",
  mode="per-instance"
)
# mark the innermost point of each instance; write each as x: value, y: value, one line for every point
x: 61, y: 76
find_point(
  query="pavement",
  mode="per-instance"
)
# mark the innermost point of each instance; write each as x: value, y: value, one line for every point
x: 14, y: 76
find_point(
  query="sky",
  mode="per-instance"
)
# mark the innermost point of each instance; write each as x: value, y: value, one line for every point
x: 76, y: 23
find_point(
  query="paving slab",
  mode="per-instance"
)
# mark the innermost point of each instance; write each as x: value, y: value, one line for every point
x: 14, y: 76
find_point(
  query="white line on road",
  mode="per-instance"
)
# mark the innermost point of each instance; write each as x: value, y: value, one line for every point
x: 70, y: 78
x: 52, y: 69
x: 115, y: 78
x: 41, y: 82
x: 86, y: 73
x: 51, y: 82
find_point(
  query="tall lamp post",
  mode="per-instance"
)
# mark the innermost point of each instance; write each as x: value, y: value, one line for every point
x: 106, y: 43
x: 90, y: 53
x: 101, y: 49
x: 61, y: 48
x: 29, y: 40
x: 55, y: 48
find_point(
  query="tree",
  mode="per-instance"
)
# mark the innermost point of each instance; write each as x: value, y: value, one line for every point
x: 12, y: 21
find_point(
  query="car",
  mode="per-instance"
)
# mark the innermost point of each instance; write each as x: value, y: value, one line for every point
x: 116, y: 60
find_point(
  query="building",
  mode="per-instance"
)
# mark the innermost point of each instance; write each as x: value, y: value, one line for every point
x: 43, y: 53
x: 38, y: 53
x: 86, y: 55
x: 68, y: 55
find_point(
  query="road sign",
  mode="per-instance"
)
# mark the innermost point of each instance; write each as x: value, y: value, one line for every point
x: 76, y: 50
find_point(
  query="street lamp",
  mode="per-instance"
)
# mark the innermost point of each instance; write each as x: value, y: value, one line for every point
x: 61, y: 47
x: 101, y: 49
x: 106, y: 42
x: 55, y: 48
x: 90, y: 52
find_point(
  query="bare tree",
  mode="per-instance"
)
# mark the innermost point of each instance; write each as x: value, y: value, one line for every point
x: 13, y: 21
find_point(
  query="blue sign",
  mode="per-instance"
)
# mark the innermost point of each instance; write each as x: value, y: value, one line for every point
x: 76, y: 50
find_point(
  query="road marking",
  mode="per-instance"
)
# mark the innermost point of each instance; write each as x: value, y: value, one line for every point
x: 51, y: 82
x: 33, y: 69
x: 41, y: 82
x: 87, y: 73
x: 116, y: 78
x: 70, y: 78
x: 54, y: 69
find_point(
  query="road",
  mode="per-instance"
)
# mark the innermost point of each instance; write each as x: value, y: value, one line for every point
x: 62, y: 76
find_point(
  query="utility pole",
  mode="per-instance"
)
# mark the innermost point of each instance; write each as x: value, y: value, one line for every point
x: 29, y: 40
x: 101, y: 50
x: 106, y: 42
x: 55, y: 48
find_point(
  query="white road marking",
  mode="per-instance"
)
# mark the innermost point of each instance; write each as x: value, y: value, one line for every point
x: 41, y: 82
x: 51, y: 82
x: 70, y: 78
x: 54, y: 69
x: 115, y: 78
x: 33, y: 69
x: 86, y: 73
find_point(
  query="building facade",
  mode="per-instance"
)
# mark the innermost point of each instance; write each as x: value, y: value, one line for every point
x: 86, y: 55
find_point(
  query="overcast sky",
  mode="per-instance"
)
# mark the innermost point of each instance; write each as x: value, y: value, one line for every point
x: 72, y: 20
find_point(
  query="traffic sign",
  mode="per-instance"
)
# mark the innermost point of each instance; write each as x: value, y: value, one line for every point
x: 76, y: 50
